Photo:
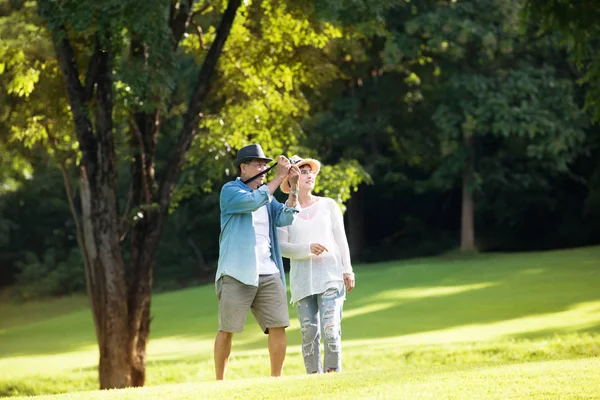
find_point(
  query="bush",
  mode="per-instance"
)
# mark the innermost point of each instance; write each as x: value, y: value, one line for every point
x: 49, y: 276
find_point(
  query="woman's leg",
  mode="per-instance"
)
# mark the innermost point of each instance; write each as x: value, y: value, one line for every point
x: 308, y: 315
x: 330, y: 308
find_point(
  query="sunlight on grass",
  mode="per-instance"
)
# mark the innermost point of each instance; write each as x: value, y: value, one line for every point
x: 424, y: 292
x: 575, y: 379
x: 20, y: 366
x: 355, y: 312
x: 408, y: 316
x: 579, y: 317
x: 178, y: 347
x: 406, y: 294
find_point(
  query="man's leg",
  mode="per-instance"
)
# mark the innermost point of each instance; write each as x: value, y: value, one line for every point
x: 277, y: 350
x: 235, y: 299
x: 222, y: 351
x: 271, y: 312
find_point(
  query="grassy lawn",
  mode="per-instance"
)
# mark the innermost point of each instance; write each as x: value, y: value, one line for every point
x: 571, y: 379
x: 488, y: 326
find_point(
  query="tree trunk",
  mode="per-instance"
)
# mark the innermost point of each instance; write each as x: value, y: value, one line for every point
x: 467, y: 225
x: 107, y: 289
x: 355, y: 224
x: 101, y: 230
x: 121, y: 305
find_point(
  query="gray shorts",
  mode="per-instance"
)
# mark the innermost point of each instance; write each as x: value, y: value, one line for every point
x: 268, y: 303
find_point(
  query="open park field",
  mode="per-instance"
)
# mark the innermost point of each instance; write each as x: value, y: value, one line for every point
x: 523, y: 325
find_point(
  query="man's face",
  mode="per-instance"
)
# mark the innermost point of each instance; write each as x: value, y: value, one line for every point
x: 252, y: 168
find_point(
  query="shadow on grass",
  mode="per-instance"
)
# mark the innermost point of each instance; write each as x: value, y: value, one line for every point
x: 527, y: 295
x: 390, y: 300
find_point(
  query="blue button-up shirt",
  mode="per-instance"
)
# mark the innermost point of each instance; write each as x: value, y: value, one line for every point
x: 237, y: 241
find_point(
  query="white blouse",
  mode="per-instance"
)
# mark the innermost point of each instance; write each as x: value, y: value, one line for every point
x: 321, y: 222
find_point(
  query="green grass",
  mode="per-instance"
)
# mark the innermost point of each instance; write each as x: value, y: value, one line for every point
x: 22, y: 313
x: 572, y: 379
x: 487, y: 326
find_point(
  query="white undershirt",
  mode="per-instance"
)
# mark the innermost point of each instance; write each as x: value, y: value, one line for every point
x: 260, y: 221
x: 322, y: 222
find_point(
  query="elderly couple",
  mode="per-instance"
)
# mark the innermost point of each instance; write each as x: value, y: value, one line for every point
x: 256, y: 230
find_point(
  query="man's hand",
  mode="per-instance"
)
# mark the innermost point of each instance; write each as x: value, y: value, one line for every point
x: 283, y: 166
x: 293, y: 176
x: 349, y: 282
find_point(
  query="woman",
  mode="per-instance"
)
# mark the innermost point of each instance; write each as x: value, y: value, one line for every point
x: 321, y: 271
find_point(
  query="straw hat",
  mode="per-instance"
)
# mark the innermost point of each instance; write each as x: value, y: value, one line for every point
x: 315, y: 166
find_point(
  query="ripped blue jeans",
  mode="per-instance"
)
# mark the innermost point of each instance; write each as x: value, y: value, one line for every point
x: 321, y: 315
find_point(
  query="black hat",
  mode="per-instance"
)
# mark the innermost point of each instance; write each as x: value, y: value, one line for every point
x: 249, y: 153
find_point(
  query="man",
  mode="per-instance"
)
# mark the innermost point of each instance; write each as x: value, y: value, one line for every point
x: 250, y: 270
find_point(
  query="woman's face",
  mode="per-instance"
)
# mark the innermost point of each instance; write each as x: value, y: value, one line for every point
x: 307, y: 178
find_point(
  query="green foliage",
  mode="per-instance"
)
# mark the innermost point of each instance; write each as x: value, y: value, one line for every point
x: 190, y: 246
x: 381, y: 92
x: 32, y: 87
x: 495, y: 80
x: 416, y: 77
x: 592, y: 205
x: 274, y: 51
x: 362, y: 13
x: 14, y: 168
x: 578, y: 22
x: 35, y: 219
x: 334, y: 181
x: 22, y: 49
x: 49, y: 276
x: 527, y: 101
x: 116, y: 24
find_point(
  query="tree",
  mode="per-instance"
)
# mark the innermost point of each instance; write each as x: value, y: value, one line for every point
x: 111, y: 53
x: 578, y: 23
x: 497, y: 86
x: 125, y: 87
x: 16, y: 81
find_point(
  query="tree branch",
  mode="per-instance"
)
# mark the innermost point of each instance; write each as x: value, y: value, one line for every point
x: 192, y: 117
x: 104, y: 101
x: 91, y: 76
x: 201, y: 10
x: 200, y: 35
x: 124, y: 228
x: 145, y: 125
x: 82, y: 247
x: 75, y: 93
x: 179, y: 19
x: 139, y: 171
x: 146, y: 233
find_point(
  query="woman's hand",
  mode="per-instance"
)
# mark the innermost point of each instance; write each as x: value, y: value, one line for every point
x: 317, y: 248
x: 283, y: 166
x: 349, y: 282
